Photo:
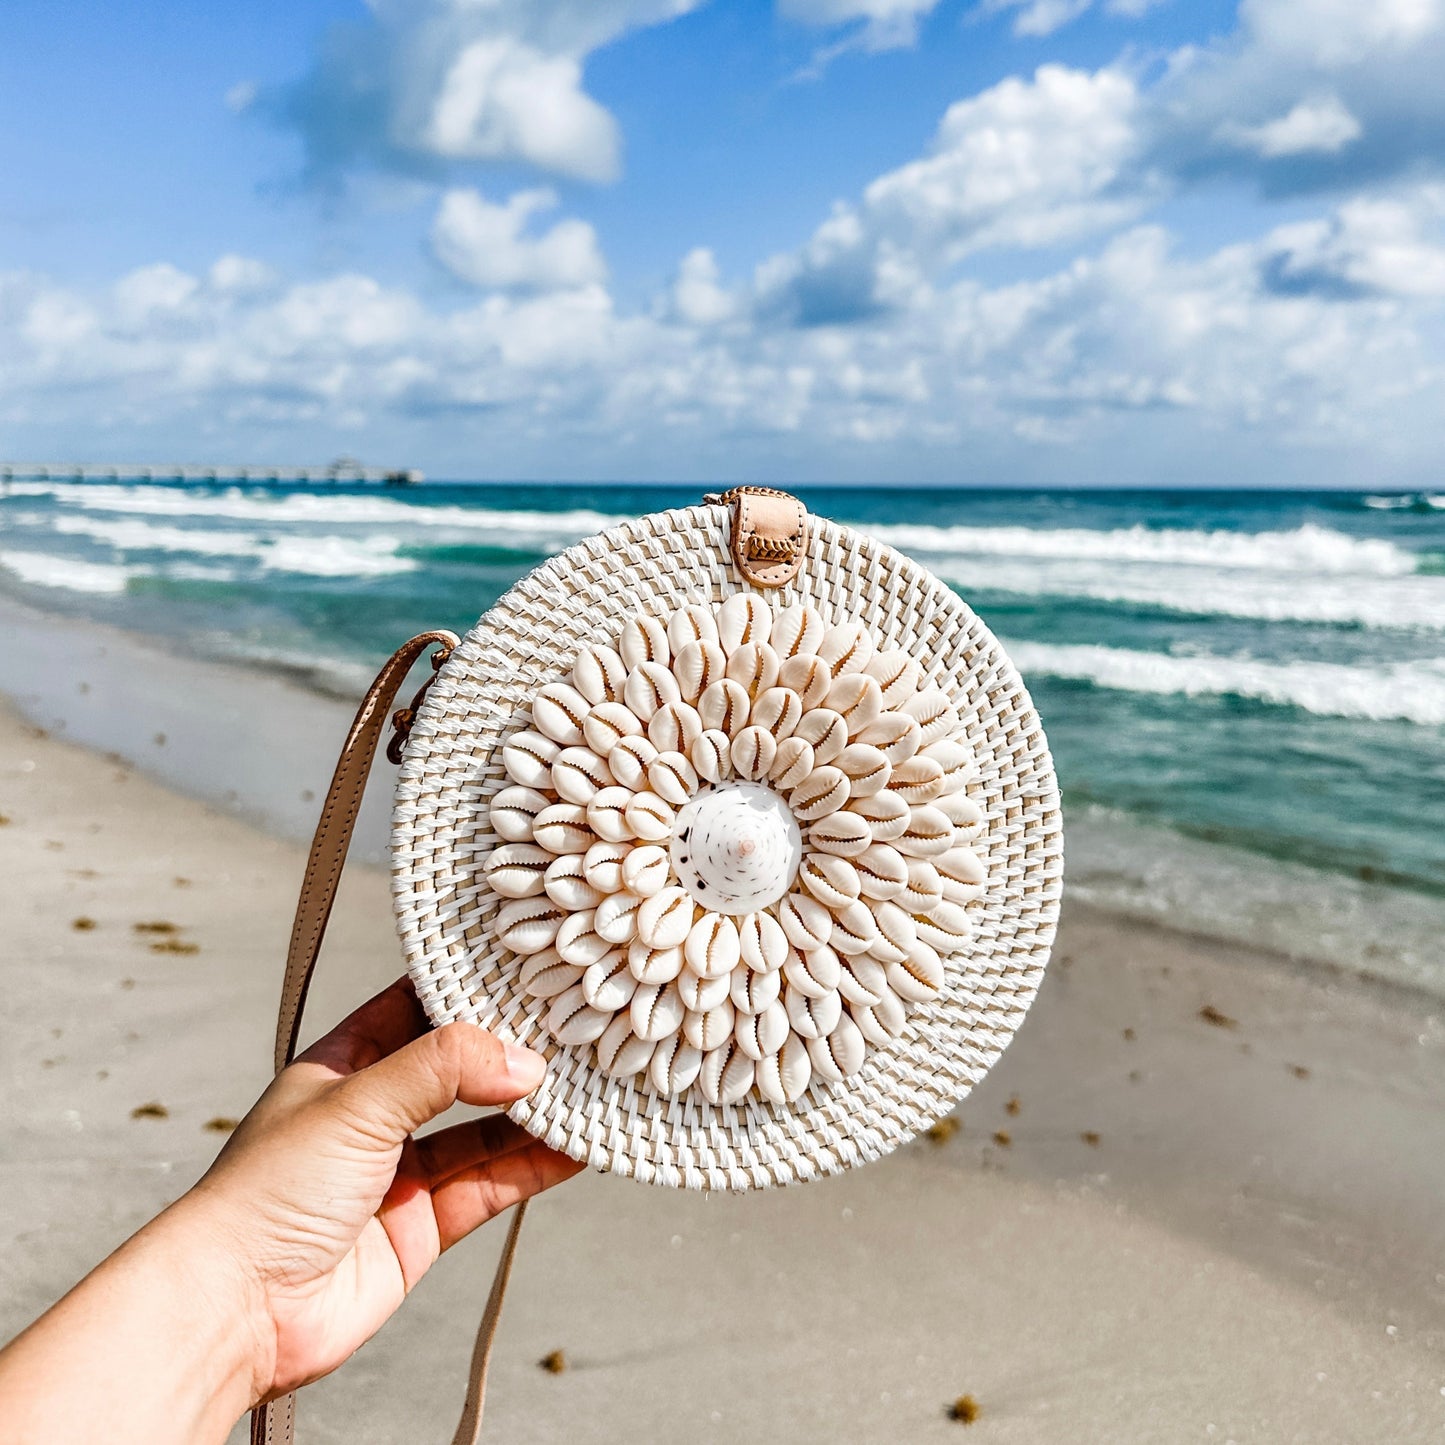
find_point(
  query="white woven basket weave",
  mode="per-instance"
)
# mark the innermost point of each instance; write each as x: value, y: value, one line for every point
x: 442, y: 837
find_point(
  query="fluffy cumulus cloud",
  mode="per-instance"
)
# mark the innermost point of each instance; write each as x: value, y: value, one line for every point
x: 487, y: 244
x: 425, y: 83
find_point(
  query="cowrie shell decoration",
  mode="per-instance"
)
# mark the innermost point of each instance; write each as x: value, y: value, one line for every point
x: 734, y: 850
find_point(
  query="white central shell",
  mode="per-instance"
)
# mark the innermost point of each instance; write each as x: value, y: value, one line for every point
x: 736, y: 847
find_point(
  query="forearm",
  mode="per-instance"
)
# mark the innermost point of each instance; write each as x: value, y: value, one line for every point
x: 155, y: 1345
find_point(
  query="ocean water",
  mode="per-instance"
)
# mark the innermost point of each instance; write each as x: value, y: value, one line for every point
x: 1244, y: 691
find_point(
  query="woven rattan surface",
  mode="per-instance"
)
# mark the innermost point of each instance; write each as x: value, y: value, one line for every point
x: 442, y: 836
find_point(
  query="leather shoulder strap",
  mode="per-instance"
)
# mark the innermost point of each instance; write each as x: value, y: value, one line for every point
x: 274, y: 1422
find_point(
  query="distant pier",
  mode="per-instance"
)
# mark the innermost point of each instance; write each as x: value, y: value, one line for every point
x: 343, y: 470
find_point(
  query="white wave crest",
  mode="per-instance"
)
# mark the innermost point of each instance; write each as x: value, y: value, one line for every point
x: 1401, y: 691
x: 1308, y: 548
x: 68, y: 574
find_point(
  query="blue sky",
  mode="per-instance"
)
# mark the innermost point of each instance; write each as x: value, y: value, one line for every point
x: 1084, y: 241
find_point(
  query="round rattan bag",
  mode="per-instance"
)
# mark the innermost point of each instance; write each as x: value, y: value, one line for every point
x: 769, y: 873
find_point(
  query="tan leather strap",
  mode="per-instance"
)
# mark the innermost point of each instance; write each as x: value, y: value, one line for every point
x: 274, y: 1423
x: 770, y: 533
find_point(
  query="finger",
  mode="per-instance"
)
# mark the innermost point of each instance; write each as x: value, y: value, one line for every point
x: 444, y: 1152
x: 457, y: 1062
x: 473, y: 1196
x: 379, y: 1027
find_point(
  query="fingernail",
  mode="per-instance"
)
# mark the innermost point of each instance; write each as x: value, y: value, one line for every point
x: 524, y: 1067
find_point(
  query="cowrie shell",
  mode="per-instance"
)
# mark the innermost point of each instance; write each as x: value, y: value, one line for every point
x: 599, y: 674
x: 725, y: 706
x: 854, y: 929
x: 674, y: 727
x: 643, y: 639
x: 544, y: 975
x: 602, y: 866
x: 701, y: 994
x: 840, y: 1055
x: 528, y: 757
x: 713, y: 947
x: 816, y: 973
x: 726, y: 1074
x: 616, y: 917
x: 924, y: 891
x: 753, y: 751
x: 856, y: 698
x: 897, y: 932
x: 866, y: 769
x: 823, y: 791
x: 665, y: 919
x: 620, y: 1053
x: 572, y: 1020
x: 743, y: 619
x: 764, y: 1032
x: 629, y: 761
x: 754, y: 667
x: 792, y: 763
x: 513, y: 810
x: 808, y: 676
x: 783, y: 1077
x: 887, y: 814
x: 645, y: 870
x: 928, y: 834
x: 957, y: 762
x: 578, y: 940
x: 947, y: 928
x: 961, y: 864
x: 843, y: 833
x: 567, y: 886
x: 965, y: 815
x: 650, y: 686
x: 607, y: 724
x: 813, y: 1017
x: 697, y: 667
x: 862, y: 979
x: 752, y: 992
x: 563, y: 828
x: 650, y: 817
x: 961, y: 893
x: 694, y: 623
x: 805, y: 921
x: 882, y: 871
x: 558, y: 712
x: 579, y: 774
x: 797, y: 631
x: 517, y: 870
x: 934, y: 712
x: 825, y: 731
x: 847, y: 648
x: 895, y: 734
x: 763, y: 942
x: 672, y: 778
x: 898, y: 675
x: 656, y: 1010
x: 918, y: 780
x: 607, y: 814
x: 675, y: 1066
x: 707, y: 1031
x: 882, y: 1022
x: 608, y: 985
x: 711, y: 755
x: 833, y: 881
x: 654, y: 965
x: 779, y: 710
x: 919, y: 976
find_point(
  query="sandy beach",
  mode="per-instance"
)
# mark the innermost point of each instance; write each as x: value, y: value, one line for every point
x: 1199, y: 1199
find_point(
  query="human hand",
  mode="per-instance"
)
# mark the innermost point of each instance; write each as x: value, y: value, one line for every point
x: 329, y: 1211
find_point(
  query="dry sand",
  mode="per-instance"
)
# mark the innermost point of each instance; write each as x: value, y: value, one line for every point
x: 1152, y: 1225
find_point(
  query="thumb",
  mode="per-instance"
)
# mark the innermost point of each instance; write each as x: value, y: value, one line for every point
x: 458, y: 1062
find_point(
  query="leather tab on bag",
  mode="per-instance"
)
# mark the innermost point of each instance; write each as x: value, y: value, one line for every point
x: 770, y: 534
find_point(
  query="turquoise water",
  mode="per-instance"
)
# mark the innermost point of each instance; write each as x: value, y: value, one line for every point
x: 1245, y: 692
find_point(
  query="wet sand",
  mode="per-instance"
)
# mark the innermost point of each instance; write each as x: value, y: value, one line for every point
x: 1199, y: 1199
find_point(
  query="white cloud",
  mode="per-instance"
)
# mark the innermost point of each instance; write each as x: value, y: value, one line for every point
x: 486, y: 245
x: 1333, y: 33
x: 697, y: 297
x: 1321, y: 124
x: 883, y: 24
x: 240, y: 274
x: 1037, y: 19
